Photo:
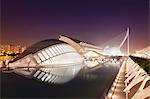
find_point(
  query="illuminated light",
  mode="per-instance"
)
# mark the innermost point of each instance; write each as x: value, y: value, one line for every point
x: 53, y: 81
x: 120, y: 85
x: 44, y: 77
x: 110, y: 95
x: 50, y: 80
x: 48, y: 77
x: 35, y: 75
x: 113, y: 88
x: 115, y: 51
x: 41, y: 74
x: 116, y: 80
x: 114, y: 83
x: 118, y: 90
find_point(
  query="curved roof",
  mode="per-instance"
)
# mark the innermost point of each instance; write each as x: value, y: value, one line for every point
x: 77, y: 41
x: 38, y: 46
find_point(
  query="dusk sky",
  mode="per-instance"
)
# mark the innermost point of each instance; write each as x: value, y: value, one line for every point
x: 93, y: 21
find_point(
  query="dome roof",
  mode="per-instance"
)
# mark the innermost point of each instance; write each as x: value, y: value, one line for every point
x: 38, y: 46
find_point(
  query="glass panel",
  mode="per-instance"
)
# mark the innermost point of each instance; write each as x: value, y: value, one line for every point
x: 64, y: 47
x: 45, y: 54
x: 41, y: 56
x: 53, y: 48
x: 37, y: 72
x: 44, y: 77
x: 60, y: 47
x: 54, y: 79
x: 67, y: 48
x: 52, y: 52
x: 58, y: 52
x: 49, y: 76
x: 48, y: 52
x: 41, y: 74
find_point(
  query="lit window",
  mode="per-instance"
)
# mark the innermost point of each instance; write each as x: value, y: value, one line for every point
x: 60, y: 47
x: 50, y: 80
x: 41, y: 74
x: 53, y: 48
x: 48, y: 52
x: 44, y: 77
x: 41, y: 56
x: 58, y: 51
x: 37, y: 72
x: 54, y: 79
x: 45, y: 54
x: 52, y: 51
x: 47, y: 79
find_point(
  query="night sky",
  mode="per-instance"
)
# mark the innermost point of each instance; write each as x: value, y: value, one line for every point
x: 93, y: 21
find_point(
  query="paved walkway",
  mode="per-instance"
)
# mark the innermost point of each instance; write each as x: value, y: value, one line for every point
x: 116, y: 91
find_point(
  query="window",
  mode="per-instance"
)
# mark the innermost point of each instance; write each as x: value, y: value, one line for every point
x: 41, y: 74
x: 53, y: 48
x: 37, y: 72
x: 45, y: 54
x: 55, y: 78
x: 48, y: 52
x: 44, y: 77
x: 56, y: 48
x: 41, y: 56
x: 52, y: 51
x: 60, y: 47
x: 49, y: 76
x: 50, y: 80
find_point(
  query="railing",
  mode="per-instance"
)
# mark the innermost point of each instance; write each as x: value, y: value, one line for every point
x: 136, y: 75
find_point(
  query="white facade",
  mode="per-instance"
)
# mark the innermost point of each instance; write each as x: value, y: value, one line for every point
x: 58, y: 63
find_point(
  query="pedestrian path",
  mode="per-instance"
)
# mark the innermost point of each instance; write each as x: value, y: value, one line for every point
x: 116, y: 90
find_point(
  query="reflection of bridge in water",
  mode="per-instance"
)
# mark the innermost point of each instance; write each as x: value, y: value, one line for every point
x: 65, y: 60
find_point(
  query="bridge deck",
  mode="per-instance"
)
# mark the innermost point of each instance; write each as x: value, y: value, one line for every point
x: 116, y: 91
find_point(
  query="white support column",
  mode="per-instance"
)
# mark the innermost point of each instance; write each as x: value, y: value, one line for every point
x: 128, y: 46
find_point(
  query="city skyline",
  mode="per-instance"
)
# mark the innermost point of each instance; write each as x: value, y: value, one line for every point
x: 26, y: 21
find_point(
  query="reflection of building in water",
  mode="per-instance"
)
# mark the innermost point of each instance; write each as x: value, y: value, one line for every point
x: 56, y: 61
x: 52, y: 61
